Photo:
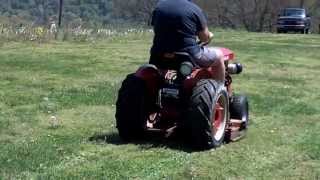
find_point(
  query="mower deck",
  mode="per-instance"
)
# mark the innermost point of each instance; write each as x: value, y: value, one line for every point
x: 235, y: 131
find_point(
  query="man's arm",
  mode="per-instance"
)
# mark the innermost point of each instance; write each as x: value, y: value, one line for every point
x: 201, y: 20
x: 205, y: 35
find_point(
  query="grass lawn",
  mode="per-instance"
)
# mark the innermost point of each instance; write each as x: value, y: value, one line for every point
x: 78, y: 83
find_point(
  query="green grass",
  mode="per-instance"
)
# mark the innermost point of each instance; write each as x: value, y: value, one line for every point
x: 78, y: 82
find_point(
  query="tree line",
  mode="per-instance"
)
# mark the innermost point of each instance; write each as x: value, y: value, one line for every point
x: 41, y: 12
x: 252, y: 15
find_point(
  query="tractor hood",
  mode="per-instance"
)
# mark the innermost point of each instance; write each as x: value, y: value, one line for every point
x: 228, y: 55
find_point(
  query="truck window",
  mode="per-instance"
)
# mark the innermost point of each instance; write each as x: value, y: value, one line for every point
x: 292, y: 12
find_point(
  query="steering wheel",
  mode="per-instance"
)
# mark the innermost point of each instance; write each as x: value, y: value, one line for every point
x: 200, y: 43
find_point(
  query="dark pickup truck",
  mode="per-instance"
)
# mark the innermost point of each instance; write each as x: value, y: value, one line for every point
x: 293, y: 19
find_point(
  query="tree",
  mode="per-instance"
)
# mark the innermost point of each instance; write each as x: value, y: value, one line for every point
x: 140, y: 10
x: 252, y: 15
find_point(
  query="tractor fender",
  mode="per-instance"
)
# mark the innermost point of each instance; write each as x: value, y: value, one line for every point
x: 228, y: 55
x: 150, y: 74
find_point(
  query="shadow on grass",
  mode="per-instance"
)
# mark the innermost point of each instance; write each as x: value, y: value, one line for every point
x: 151, y: 140
x: 111, y: 138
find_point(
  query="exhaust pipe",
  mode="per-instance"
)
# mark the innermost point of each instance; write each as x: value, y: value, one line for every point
x: 234, y: 68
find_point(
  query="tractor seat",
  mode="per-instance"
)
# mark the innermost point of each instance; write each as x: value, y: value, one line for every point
x: 170, y: 60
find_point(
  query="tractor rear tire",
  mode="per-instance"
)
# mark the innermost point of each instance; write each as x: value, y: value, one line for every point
x: 239, y: 109
x: 131, y: 109
x: 201, y: 115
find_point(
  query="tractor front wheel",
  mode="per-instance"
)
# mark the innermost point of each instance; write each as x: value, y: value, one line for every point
x: 239, y: 109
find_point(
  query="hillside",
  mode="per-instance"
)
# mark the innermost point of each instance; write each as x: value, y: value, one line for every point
x: 252, y: 15
x: 91, y: 12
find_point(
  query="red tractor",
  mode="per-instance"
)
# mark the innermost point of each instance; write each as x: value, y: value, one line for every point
x: 177, y: 94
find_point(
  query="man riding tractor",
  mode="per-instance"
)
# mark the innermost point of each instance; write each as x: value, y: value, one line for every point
x: 185, y: 86
x: 177, y: 25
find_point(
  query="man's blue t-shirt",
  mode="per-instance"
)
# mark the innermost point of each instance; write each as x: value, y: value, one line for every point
x: 176, y: 25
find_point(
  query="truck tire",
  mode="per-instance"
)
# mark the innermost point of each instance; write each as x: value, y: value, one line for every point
x: 207, y: 115
x: 239, y: 109
x: 307, y: 31
x: 131, y: 112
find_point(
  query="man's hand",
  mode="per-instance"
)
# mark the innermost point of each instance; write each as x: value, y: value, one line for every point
x: 205, y: 36
x: 211, y: 35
